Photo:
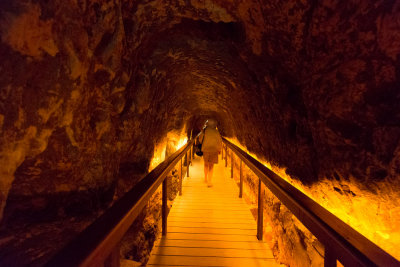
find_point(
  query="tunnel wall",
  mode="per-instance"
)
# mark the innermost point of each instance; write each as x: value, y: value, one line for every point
x: 290, y: 241
x: 87, y: 88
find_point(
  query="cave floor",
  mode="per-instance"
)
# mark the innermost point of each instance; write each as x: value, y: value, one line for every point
x: 210, y: 226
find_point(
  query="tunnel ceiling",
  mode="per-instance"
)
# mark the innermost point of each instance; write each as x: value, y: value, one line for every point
x: 89, y: 86
x: 304, y: 75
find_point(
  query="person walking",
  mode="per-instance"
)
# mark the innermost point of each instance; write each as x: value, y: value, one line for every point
x: 211, y: 146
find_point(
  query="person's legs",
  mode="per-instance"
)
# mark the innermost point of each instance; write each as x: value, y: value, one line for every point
x: 210, y: 173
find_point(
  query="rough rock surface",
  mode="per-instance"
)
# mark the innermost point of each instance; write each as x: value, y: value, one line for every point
x: 291, y: 243
x: 87, y: 88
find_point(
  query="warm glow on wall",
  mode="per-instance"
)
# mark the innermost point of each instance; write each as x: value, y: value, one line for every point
x: 181, y: 143
x: 158, y: 155
x: 376, y: 216
x: 168, y: 145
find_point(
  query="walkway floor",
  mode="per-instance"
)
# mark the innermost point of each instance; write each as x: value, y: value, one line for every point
x: 210, y: 226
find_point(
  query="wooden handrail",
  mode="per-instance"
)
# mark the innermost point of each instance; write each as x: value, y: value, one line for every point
x: 345, y: 243
x: 98, y: 241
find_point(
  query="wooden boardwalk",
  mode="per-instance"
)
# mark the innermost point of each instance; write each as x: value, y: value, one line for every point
x: 210, y: 226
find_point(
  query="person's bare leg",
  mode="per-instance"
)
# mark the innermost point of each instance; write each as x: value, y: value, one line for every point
x: 205, y: 171
x: 210, y: 173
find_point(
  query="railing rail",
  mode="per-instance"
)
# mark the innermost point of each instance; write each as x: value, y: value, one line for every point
x: 98, y: 244
x: 340, y: 240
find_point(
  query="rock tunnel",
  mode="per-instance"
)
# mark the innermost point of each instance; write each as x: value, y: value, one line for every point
x: 90, y: 89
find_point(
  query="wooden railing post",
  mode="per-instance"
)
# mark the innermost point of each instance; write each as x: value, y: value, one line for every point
x: 241, y: 180
x: 181, y: 178
x: 260, y: 210
x: 342, y: 243
x: 97, y: 244
x: 226, y: 156
x: 164, y: 206
x: 191, y: 156
x: 113, y: 260
x: 224, y: 153
x: 187, y: 164
x: 329, y: 258
x: 232, y: 163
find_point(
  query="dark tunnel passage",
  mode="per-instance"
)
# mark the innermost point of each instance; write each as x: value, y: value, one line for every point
x: 91, y: 91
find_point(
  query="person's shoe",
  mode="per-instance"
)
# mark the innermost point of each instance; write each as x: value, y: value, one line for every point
x: 210, y: 185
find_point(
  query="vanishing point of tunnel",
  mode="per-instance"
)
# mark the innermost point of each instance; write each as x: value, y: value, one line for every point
x: 90, y: 90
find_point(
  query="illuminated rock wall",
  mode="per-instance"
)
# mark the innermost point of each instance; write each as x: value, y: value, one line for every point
x: 87, y: 88
x: 291, y: 243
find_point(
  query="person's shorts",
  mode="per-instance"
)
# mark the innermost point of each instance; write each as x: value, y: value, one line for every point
x: 210, y: 157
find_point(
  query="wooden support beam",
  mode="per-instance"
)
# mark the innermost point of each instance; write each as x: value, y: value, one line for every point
x: 241, y: 180
x: 329, y: 258
x: 187, y: 164
x: 164, y: 206
x: 226, y: 156
x: 260, y: 216
x: 191, y: 156
x: 181, y: 178
x: 113, y: 260
x: 232, y: 163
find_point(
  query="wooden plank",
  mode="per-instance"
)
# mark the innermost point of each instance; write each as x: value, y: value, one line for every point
x: 211, y: 230
x: 209, y: 219
x: 216, y: 207
x: 214, y: 213
x: 182, y: 206
x: 211, y: 201
x: 221, y: 202
x: 210, y: 227
x: 190, y: 221
x: 215, y: 252
x: 205, y: 209
x: 210, y: 261
x: 208, y: 197
x: 222, y: 237
x: 213, y: 244
x: 202, y: 208
x: 199, y: 195
x: 198, y: 206
x: 235, y: 225
x: 228, y: 217
x: 217, y: 203
x: 212, y: 217
x: 198, y: 213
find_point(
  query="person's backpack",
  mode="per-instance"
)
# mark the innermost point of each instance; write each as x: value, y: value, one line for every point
x: 197, y: 148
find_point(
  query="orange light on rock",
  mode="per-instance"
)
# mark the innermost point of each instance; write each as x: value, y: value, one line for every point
x: 168, y: 145
x: 374, y: 215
